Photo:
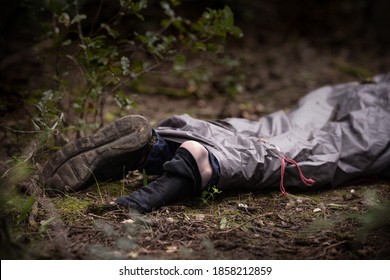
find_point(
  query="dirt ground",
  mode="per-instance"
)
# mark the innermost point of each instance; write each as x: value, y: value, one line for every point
x: 337, y: 223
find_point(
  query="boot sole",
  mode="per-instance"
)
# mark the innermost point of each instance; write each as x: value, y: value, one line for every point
x: 73, y: 167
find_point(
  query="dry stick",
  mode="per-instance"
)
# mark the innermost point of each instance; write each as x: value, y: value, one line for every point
x: 96, y: 17
x: 32, y: 153
x: 18, y: 131
x: 98, y: 217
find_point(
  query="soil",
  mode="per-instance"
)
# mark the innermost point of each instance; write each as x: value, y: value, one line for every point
x: 331, y: 224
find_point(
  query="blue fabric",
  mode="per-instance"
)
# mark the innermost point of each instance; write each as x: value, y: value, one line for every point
x: 164, y: 150
x: 216, y: 170
x: 160, y: 152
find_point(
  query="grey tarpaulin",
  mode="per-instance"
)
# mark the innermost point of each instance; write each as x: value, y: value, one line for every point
x: 336, y: 134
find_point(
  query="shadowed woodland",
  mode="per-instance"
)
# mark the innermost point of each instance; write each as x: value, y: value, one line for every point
x: 69, y: 67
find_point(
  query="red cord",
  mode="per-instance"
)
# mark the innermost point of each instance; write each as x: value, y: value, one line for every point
x: 307, y: 181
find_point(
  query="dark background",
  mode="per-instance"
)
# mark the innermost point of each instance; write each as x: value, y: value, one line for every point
x: 328, y: 23
x: 360, y: 27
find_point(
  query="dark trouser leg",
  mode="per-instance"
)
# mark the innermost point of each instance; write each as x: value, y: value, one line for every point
x: 181, y: 180
x: 161, y: 152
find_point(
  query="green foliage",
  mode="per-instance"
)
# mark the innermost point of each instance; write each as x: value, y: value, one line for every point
x: 144, y: 177
x: 94, y: 61
x: 209, y: 194
x: 26, y: 208
x: 218, y: 23
x: 107, y: 62
x: 376, y: 218
x: 113, y: 57
x: 48, y: 119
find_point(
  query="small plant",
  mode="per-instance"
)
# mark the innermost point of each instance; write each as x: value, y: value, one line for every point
x: 144, y: 177
x: 209, y: 194
x: 11, y: 199
x: 377, y: 217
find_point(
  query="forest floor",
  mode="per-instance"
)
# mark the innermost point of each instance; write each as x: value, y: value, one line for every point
x: 330, y: 224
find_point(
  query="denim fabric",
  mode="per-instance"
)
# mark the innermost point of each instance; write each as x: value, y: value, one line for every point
x: 164, y: 150
x: 160, y: 152
x: 216, y: 170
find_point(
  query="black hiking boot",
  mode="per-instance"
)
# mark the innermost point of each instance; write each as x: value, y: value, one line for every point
x: 108, y: 154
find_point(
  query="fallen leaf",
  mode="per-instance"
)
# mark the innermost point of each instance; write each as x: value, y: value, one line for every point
x: 129, y: 221
x: 133, y: 254
x: 335, y: 206
x: 199, y: 217
x: 171, y: 249
x: 289, y: 205
x: 223, y: 223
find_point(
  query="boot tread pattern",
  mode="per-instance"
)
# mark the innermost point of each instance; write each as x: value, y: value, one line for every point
x: 72, y: 166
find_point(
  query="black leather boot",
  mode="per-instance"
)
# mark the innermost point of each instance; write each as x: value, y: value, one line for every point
x: 181, y: 180
x: 108, y: 154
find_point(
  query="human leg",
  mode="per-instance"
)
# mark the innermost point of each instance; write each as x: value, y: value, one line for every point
x: 201, y: 156
x: 160, y: 152
x: 184, y: 176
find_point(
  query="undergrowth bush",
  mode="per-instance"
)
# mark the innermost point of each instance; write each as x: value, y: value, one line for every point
x: 91, y: 62
x: 94, y: 63
x: 108, y: 59
x: 97, y: 61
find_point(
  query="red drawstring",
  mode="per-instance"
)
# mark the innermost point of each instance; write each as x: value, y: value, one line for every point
x: 307, y: 181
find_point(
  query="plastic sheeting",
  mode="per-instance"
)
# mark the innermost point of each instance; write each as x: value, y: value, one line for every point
x: 335, y: 134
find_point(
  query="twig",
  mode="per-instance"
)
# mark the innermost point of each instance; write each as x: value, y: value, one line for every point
x: 19, y: 131
x: 96, y: 17
x: 32, y: 153
x: 98, y: 217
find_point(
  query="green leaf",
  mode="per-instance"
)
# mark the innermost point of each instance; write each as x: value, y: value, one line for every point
x: 125, y: 63
x: 112, y: 32
x: 26, y: 209
x: 180, y: 62
x: 45, y: 224
x: 145, y: 177
x: 78, y: 18
x: 64, y: 19
x: 66, y: 43
x: 223, y: 223
x: 200, y: 46
x: 134, y: 6
x: 167, y: 9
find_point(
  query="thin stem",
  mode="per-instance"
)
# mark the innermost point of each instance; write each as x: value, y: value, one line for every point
x: 97, y: 185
